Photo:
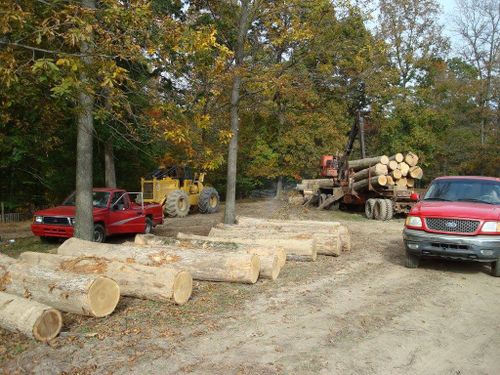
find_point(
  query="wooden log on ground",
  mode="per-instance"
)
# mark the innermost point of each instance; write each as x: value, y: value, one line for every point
x: 368, y: 162
x: 31, y: 318
x: 410, y: 182
x: 404, y: 168
x: 80, y: 294
x: 411, y: 159
x: 393, y: 165
x: 416, y: 172
x: 327, y: 243
x: 375, y: 181
x: 377, y: 170
x: 312, y: 225
x: 396, y: 174
x: 238, y: 268
x: 204, y: 241
x: 399, y: 157
x: 390, y: 181
x: 134, y: 280
x: 270, y: 263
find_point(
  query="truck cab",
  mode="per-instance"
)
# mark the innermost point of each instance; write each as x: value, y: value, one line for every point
x: 114, y: 212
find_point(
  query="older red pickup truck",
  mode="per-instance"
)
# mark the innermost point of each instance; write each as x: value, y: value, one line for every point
x: 114, y: 213
x: 458, y: 218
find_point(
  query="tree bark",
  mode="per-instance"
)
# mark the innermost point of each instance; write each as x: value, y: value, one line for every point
x: 31, y: 318
x: 368, y: 162
x: 279, y: 188
x: 363, y: 184
x: 232, y: 158
x: 84, y: 226
x: 85, y: 295
x: 238, y: 268
x: 377, y: 170
x: 109, y: 164
x: 134, y: 280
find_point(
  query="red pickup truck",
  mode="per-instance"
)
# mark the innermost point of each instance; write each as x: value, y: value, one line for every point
x: 458, y: 218
x: 114, y: 213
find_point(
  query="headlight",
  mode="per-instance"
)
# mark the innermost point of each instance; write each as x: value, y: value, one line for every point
x: 413, y: 221
x: 38, y: 219
x: 491, y: 227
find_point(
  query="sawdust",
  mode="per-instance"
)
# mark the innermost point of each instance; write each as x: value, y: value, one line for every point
x: 4, y: 281
x: 163, y: 258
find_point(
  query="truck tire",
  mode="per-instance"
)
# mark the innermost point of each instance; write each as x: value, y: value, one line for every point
x: 379, y: 209
x: 412, y: 261
x: 177, y: 204
x: 99, y: 233
x: 369, y: 208
x: 209, y: 201
x: 389, y: 209
x: 149, y: 226
x: 495, y: 268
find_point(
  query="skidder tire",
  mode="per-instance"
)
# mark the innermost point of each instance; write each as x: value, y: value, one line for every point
x: 379, y: 209
x: 369, y: 208
x: 209, y: 201
x: 389, y: 209
x: 177, y: 204
x: 412, y: 261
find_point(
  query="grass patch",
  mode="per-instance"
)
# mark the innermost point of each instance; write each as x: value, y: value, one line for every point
x: 26, y: 244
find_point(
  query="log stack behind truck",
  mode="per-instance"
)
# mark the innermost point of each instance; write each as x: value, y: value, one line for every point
x: 384, y: 185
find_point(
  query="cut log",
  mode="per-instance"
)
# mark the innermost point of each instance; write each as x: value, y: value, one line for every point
x: 411, y: 159
x: 80, y: 294
x: 396, y: 174
x: 345, y: 237
x: 390, y: 181
x: 397, y: 157
x: 31, y: 318
x: 326, y: 243
x: 238, y: 268
x: 404, y: 168
x: 303, y: 249
x: 377, y: 170
x: 270, y: 263
x: 416, y: 172
x: 368, y: 162
x: 135, y: 280
x: 410, y: 182
x: 401, y: 183
x: 393, y: 165
x: 375, y: 181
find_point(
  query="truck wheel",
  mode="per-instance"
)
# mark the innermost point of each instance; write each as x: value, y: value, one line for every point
x: 412, y: 261
x: 495, y: 268
x: 177, y: 204
x: 369, y: 208
x: 149, y: 226
x: 99, y: 233
x: 379, y: 209
x: 389, y: 209
x: 209, y: 201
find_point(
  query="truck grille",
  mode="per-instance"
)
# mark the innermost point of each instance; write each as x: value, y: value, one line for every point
x: 52, y: 220
x: 452, y: 225
x: 148, y: 190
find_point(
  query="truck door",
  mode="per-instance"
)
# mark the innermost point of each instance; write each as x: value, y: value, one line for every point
x: 123, y: 218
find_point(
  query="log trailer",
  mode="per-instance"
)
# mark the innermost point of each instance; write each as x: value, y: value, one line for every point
x: 347, y: 183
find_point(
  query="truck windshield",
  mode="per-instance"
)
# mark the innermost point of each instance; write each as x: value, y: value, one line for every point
x: 99, y: 199
x: 464, y: 190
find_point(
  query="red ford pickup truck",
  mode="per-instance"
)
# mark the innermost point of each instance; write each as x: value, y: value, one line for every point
x: 114, y: 213
x: 458, y: 218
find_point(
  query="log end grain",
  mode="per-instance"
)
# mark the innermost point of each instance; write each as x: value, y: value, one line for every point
x: 384, y: 159
x: 48, y: 325
x: 254, y: 268
x: 182, y: 288
x: 103, y: 296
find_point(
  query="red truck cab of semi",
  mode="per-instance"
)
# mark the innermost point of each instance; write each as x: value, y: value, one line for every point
x: 458, y: 218
x: 114, y: 213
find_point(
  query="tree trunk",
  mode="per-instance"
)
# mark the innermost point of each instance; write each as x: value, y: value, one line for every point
x: 390, y: 181
x: 404, y: 168
x: 279, y: 188
x: 327, y: 243
x: 416, y: 172
x: 377, y: 170
x: 230, y: 207
x: 238, y: 268
x: 84, y: 226
x: 398, y: 157
x: 401, y: 183
x: 368, y: 162
x: 134, y: 280
x: 31, y: 318
x: 411, y: 159
x: 85, y: 295
x: 396, y: 174
x: 109, y: 164
x: 393, y: 165
x: 210, y: 242
x: 363, y: 184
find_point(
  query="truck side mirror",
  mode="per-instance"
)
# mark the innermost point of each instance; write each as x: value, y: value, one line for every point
x: 415, y: 197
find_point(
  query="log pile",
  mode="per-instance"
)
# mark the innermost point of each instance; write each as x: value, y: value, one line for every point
x: 398, y: 171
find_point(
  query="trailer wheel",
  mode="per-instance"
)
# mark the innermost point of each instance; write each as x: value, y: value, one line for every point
x: 322, y: 198
x: 379, y: 209
x: 369, y: 208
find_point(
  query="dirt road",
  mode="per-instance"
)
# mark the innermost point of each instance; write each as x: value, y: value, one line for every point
x: 361, y: 313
